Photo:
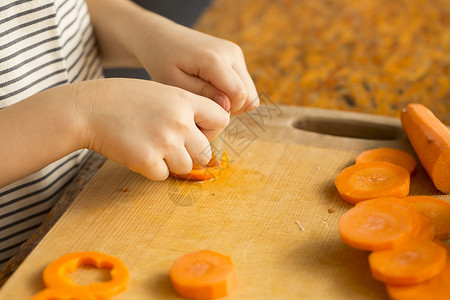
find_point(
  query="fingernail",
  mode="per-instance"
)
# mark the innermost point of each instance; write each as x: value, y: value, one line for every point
x: 223, y: 101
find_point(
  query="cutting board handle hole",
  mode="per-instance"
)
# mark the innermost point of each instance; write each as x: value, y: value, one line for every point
x: 349, y: 128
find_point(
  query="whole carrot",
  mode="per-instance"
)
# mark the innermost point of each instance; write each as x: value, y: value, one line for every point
x: 430, y: 139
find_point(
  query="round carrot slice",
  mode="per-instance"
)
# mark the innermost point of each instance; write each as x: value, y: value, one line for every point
x: 434, y: 209
x: 436, y: 288
x: 411, y: 263
x: 372, y: 180
x: 203, y: 275
x: 397, y: 203
x: 63, y: 294
x: 395, y: 156
x: 375, y: 227
x: 56, y: 273
x: 207, y: 172
x: 425, y: 230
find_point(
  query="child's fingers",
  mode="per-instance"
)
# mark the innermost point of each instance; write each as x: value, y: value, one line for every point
x: 201, y: 87
x: 152, y: 168
x: 197, y: 145
x: 252, y: 100
x: 210, y: 116
x: 224, y: 78
x: 179, y: 161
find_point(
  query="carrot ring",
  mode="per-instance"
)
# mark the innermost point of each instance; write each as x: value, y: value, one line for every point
x: 55, y: 274
x: 63, y: 294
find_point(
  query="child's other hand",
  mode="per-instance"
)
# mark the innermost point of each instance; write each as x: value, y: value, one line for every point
x: 149, y: 127
x: 200, y: 63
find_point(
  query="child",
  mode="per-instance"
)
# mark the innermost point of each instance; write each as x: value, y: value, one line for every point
x: 54, y: 101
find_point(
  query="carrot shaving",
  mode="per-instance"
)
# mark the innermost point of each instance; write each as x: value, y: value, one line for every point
x: 395, y: 156
x: 411, y: 263
x: 372, y: 180
x: 203, y: 275
x: 434, y: 209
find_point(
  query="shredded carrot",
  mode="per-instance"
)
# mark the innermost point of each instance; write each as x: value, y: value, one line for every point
x: 430, y: 139
x: 210, y: 171
x: 63, y: 294
x: 203, y: 275
x: 376, y: 225
x: 371, y: 180
x: 434, y: 209
x: 395, y: 156
x: 410, y: 263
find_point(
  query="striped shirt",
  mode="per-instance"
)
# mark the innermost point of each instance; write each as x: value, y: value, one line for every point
x: 43, y: 44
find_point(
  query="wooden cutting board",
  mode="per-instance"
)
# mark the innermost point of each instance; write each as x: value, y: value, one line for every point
x: 274, y: 211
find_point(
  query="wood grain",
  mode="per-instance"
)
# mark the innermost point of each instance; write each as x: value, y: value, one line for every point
x: 251, y: 212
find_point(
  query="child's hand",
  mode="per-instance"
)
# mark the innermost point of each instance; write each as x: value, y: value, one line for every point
x: 173, y: 54
x: 200, y: 63
x: 149, y: 127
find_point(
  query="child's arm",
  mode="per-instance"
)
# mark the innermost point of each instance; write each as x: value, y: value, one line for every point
x: 147, y: 126
x: 128, y: 35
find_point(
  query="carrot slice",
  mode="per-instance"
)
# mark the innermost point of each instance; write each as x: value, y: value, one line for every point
x: 425, y: 229
x: 63, y: 294
x: 420, y: 228
x: 210, y: 171
x: 203, y: 275
x: 375, y: 227
x: 434, y: 209
x: 411, y: 263
x: 372, y: 180
x: 430, y: 139
x: 395, y: 156
x: 436, y: 288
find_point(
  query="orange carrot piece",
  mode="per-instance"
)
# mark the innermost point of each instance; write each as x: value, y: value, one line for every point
x: 210, y: 171
x: 63, y: 294
x: 376, y: 226
x: 434, y: 209
x: 420, y: 227
x: 395, y: 156
x: 364, y: 181
x: 430, y: 139
x: 425, y: 230
x: 56, y: 274
x: 410, y: 263
x: 203, y: 275
x: 436, y: 288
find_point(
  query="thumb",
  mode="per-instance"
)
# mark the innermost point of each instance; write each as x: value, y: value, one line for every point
x: 209, y: 117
